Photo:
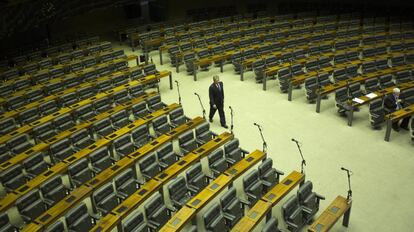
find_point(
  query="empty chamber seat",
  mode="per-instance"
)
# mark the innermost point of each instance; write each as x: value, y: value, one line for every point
x: 30, y: 206
x: 53, y: 191
x: 105, y: 199
x: 126, y: 184
x: 78, y: 219
x: 79, y: 173
x: 156, y: 212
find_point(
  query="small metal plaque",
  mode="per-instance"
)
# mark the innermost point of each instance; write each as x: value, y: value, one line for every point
x: 162, y: 175
x: 253, y: 215
x: 142, y: 192
x: 233, y: 171
x: 271, y: 196
x: 319, y: 227
x: 249, y: 159
x: 44, y: 218
x: 214, y: 186
x: 115, y: 167
x: 287, y: 182
x: 182, y: 162
x: 70, y: 199
x: 195, y: 202
x: 176, y: 221
x: 121, y: 209
x: 334, y: 209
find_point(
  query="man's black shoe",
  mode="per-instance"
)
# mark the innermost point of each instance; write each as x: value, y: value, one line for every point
x: 225, y: 126
x: 210, y: 120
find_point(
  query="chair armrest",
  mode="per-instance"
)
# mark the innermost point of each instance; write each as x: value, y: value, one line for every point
x: 320, y: 197
x: 244, y: 152
x: 95, y: 217
x: 244, y: 202
x: 49, y: 203
x: 102, y: 210
x: 210, y: 177
x: 96, y: 170
x: 192, y: 189
x: 26, y: 218
x: 170, y: 210
x: 230, y: 161
x: 279, y: 173
x: 251, y: 196
x: 291, y: 225
x: 266, y: 183
x: 228, y: 216
x: 122, y: 196
x: 153, y: 225
x: 214, y: 134
x: 307, y: 210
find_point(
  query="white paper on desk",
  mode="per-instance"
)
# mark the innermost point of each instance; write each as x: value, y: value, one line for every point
x: 371, y: 95
x: 358, y: 100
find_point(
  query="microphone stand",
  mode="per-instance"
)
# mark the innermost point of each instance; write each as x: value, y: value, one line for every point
x: 231, y: 114
x: 349, y: 173
x: 201, y: 103
x: 179, y: 95
x: 303, y: 164
x: 263, y: 139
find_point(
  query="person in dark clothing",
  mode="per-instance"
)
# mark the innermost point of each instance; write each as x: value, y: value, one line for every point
x: 393, y: 103
x: 216, y: 93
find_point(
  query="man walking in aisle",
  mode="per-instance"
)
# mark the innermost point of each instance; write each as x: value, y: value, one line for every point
x: 216, y: 93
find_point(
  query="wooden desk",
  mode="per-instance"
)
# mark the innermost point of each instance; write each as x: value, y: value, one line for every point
x: 179, y: 220
x: 340, y: 206
x: 358, y: 79
x: 28, y: 127
x: 253, y: 217
x: 270, y: 199
x: 378, y: 94
x: 187, y: 213
x: 156, y: 183
x: 62, y: 166
x: 395, y: 116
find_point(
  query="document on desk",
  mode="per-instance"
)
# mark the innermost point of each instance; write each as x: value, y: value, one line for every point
x: 358, y: 100
x: 371, y: 95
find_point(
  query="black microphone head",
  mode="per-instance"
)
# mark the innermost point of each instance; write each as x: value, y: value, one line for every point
x: 176, y: 81
x: 293, y: 139
x: 342, y: 168
x: 195, y: 93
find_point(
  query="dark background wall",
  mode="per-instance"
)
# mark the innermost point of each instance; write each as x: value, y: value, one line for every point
x: 25, y: 22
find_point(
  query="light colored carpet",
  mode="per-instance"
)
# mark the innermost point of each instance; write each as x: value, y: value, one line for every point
x: 381, y: 183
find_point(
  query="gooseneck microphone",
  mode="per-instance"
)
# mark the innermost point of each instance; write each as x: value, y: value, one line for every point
x: 303, y: 163
x: 179, y: 94
x: 202, y: 106
x: 232, y: 124
x: 349, y: 173
x: 261, y: 134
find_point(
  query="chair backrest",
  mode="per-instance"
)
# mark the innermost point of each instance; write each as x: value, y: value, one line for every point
x: 187, y: 136
x: 28, y: 199
x: 205, y: 126
x: 98, y: 154
x: 123, y: 177
x: 122, y: 140
x: 154, y: 204
x: 215, y: 155
x: 160, y: 121
x: 193, y: 172
x: 265, y: 167
x: 271, y: 225
x: 165, y: 149
x: 5, y: 223
x: 228, y: 197
x: 103, y: 192
x: 51, y: 184
x: 133, y: 223
x: 231, y: 146
x: 211, y: 215
x: 289, y: 207
x: 147, y: 161
x: 178, y: 188
x: 56, y: 227
x: 304, y: 191
x: 250, y: 179
x: 74, y: 214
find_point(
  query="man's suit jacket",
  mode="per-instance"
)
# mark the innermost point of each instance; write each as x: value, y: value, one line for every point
x: 390, y: 104
x: 216, y: 94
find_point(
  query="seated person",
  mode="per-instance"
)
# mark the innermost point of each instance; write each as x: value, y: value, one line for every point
x: 393, y: 103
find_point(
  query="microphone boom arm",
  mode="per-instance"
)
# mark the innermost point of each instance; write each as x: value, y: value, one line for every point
x: 303, y: 164
x: 263, y: 139
x: 202, y: 106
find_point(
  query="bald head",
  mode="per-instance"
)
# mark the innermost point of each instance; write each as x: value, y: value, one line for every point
x: 396, y: 91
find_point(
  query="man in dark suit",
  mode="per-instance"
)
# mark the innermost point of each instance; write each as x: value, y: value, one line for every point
x: 216, y: 93
x: 393, y: 103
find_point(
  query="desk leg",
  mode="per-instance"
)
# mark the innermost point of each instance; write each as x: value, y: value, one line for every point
x: 146, y: 53
x: 171, y: 81
x: 177, y: 64
x: 132, y: 45
x: 350, y: 115
x: 120, y: 38
x: 345, y: 221
x: 221, y: 66
x: 269, y: 215
x: 318, y: 103
x: 195, y: 73
x: 388, y: 131
x: 264, y: 81
x: 290, y: 91
x: 241, y: 73
x: 159, y: 50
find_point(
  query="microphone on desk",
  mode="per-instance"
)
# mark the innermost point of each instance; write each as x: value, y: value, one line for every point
x: 201, y: 104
